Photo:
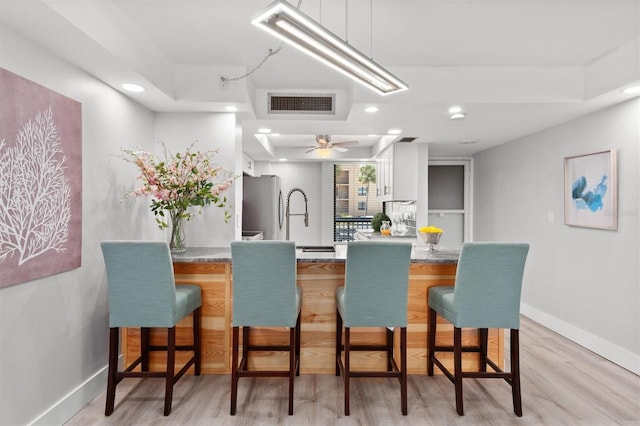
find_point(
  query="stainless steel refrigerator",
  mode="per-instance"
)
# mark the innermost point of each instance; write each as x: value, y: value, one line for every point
x: 263, y: 206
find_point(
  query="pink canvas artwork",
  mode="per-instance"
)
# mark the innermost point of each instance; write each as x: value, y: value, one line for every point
x: 40, y: 181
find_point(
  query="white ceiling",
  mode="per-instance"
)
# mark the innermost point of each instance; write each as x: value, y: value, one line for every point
x: 515, y: 66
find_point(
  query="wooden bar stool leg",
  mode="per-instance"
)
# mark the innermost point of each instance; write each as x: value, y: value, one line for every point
x: 145, y: 333
x: 114, y: 338
x: 292, y: 366
x: 389, y: 334
x: 171, y: 359
x: 197, y: 341
x: 338, y: 341
x: 298, y: 331
x: 246, y: 334
x: 234, y: 369
x: 457, y: 366
x: 431, y: 337
x: 515, y: 371
x: 483, y: 340
x: 403, y: 367
x: 347, y: 366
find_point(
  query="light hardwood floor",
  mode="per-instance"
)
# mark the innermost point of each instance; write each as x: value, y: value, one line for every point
x: 562, y: 384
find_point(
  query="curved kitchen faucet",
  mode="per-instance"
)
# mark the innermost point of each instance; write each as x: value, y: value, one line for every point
x: 306, y: 210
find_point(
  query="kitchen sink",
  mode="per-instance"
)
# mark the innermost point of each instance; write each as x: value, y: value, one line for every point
x: 317, y: 249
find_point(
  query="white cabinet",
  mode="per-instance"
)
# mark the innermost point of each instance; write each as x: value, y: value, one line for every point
x: 383, y: 175
x: 247, y: 165
x: 397, y: 172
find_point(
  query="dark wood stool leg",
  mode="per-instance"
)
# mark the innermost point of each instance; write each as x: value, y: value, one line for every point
x: 403, y: 367
x: 298, y: 345
x: 114, y: 340
x: 431, y: 340
x: 389, y: 334
x: 197, y: 341
x: 234, y: 369
x: 145, y: 333
x: 292, y: 366
x: 457, y: 366
x: 171, y: 359
x: 338, y: 341
x: 483, y: 340
x: 246, y: 331
x: 347, y: 366
x: 515, y: 371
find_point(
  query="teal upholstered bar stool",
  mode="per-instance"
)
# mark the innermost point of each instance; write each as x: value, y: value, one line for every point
x: 486, y: 295
x: 265, y: 294
x: 142, y: 293
x: 374, y: 295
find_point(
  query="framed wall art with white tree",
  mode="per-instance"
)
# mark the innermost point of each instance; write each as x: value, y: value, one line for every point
x: 40, y: 181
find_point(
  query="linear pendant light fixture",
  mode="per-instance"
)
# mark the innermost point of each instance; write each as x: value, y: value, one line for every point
x: 294, y: 27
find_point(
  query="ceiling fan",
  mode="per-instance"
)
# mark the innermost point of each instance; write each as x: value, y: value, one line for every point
x: 324, y: 145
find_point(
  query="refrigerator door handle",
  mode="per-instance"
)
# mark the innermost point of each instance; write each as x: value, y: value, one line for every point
x: 280, y: 209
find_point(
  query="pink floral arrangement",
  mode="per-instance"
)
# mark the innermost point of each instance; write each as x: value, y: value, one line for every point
x: 180, y: 181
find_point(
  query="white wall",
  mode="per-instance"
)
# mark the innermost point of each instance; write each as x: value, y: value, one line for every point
x: 53, y: 331
x: 212, y: 131
x: 583, y: 283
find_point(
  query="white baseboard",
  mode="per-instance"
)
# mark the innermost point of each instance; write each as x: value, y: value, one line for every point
x: 614, y: 353
x: 65, y: 408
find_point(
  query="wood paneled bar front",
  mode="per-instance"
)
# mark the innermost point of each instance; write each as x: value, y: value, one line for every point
x: 319, y: 274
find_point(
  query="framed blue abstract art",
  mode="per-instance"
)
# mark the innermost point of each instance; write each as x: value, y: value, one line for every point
x: 590, y: 190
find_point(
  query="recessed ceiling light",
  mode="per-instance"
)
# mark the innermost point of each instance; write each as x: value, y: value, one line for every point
x: 371, y: 109
x: 632, y: 89
x: 231, y: 108
x: 282, y: 159
x: 457, y: 116
x: 133, y: 87
x: 455, y: 109
x: 264, y: 130
x: 394, y: 131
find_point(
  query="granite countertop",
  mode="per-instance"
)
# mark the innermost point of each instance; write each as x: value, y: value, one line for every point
x: 223, y: 254
x: 369, y: 234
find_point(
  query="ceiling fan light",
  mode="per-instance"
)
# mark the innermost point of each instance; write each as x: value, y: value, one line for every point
x: 288, y: 23
x: 323, y: 152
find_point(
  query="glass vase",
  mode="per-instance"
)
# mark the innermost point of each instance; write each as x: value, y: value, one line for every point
x: 176, y: 233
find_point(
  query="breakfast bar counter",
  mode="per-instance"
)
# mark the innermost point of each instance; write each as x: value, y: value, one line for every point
x: 319, y: 273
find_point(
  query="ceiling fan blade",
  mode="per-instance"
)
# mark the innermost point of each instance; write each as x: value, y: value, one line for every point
x: 345, y: 143
x: 340, y: 149
x: 312, y: 149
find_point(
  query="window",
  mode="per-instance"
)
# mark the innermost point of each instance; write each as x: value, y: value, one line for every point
x: 351, y: 211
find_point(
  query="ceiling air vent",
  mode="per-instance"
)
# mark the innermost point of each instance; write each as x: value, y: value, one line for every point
x: 301, y: 104
x: 407, y: 139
